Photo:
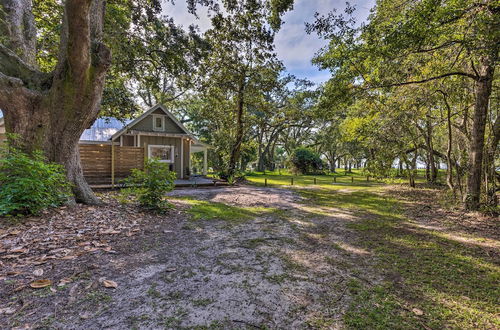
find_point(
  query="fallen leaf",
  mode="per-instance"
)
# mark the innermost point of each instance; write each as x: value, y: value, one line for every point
x: 40, y: 283
x: 110, y: 284
x: 67, y: 257
x: 417, y: 311
x: 15, y: 232
x: 110, y: 231
x: 84, y: 315
x: 53, y: 290
x: 7, y: 310
x: 10, y: 256
x: 64, y: 281
x: 13, y: 273
x: 19, y: 288
x: 18, y: 250
x: 22, y: 327
x: 38, y: 272
x: 169, y: 270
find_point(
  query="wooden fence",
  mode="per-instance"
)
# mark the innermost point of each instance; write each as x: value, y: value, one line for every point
x: 97, y: 162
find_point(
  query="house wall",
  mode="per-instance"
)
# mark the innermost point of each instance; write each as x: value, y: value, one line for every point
x: 147, y: 124
x: 128, y: 140
x: 170, y: 141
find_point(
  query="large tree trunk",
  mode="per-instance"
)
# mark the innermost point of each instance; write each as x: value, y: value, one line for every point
x: 483, y: 92
x: 491, y: 173
x: 449, y: 162
x: 430, y: 150
x: 51, y: 111
x: 238, y: 140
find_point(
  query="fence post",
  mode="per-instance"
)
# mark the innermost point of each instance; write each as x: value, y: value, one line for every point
x: 352, y: 179
x: 334, y: 179
x: 265, y: 182
x: 314, y: 180
x: 367, y: 178
x: 291, y: 180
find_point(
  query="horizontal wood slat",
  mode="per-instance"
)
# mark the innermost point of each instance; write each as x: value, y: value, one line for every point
x: 96, y: 162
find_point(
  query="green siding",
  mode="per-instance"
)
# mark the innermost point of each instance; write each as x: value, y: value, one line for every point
x: 167, y: 141
x: 146, y: 124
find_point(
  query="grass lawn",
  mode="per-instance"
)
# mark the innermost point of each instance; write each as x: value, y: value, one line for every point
x: 278, y: 178
x: 433, y: 279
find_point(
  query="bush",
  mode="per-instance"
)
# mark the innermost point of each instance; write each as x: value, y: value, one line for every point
x: 30, y: 184
x: 306, y: 161
x: 151, y: 184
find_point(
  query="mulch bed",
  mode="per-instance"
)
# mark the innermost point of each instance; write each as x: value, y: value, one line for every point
x: 424, y: 205
x: 46, y: 247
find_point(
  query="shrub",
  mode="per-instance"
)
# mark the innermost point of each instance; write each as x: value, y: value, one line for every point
x: 305, y: 161
x: 232, y: 179
x: 151, y: 184
x: 30, y: 184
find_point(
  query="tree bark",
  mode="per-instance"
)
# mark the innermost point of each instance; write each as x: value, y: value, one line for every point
x: 483, y: 91
x: 50, y: 111
x: 449, y: 162
x: 238, y: 140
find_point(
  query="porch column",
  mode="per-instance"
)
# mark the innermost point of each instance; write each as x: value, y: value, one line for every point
x: 205, y: 153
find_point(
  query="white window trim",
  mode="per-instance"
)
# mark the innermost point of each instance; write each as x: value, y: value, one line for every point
x: 172, y: 155
x: 162, y: 129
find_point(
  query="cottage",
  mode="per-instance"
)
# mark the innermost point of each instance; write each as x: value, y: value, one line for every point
x: 110, y: 148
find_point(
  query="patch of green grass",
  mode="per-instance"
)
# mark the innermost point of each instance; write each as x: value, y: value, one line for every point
x: 254, y: 242
x: 44, y: 292
x: 337, y: 180
x: 291, y: 264
x: 277, y: 278
x: 174, y: 321
x: 175, y: 295
x: 377, y: 308
x: 362, y: 201
x: 455, y: 284
x: 202, y: 302
x: 153, y: 292
x: 205, y: 210
x: 98, y: 297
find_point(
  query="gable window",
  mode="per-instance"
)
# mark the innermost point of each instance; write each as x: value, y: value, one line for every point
x: 164, y: 154
x: 158, y: 123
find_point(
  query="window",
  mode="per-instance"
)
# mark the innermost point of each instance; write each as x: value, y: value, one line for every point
x: 164, y: 154
x: 158, y: 123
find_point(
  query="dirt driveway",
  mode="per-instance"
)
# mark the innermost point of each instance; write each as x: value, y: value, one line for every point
x: 282, y: 269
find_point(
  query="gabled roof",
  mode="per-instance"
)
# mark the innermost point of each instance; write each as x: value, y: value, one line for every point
x: 144, y: 115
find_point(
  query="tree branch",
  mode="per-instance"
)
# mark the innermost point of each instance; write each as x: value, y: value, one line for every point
x: 414, y: 82
x: 13, y: 66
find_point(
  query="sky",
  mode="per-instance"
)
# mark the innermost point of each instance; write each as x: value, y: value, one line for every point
x: 293, y: 45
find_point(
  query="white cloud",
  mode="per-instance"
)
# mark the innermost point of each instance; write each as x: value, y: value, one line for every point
x: 179, y: 12
x: 296, y: 48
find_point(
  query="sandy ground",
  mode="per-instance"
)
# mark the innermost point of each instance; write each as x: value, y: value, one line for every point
x: 245, y: 196
x: 282, y: 270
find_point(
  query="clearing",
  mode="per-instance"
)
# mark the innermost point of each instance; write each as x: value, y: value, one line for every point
x: 345, y: 255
